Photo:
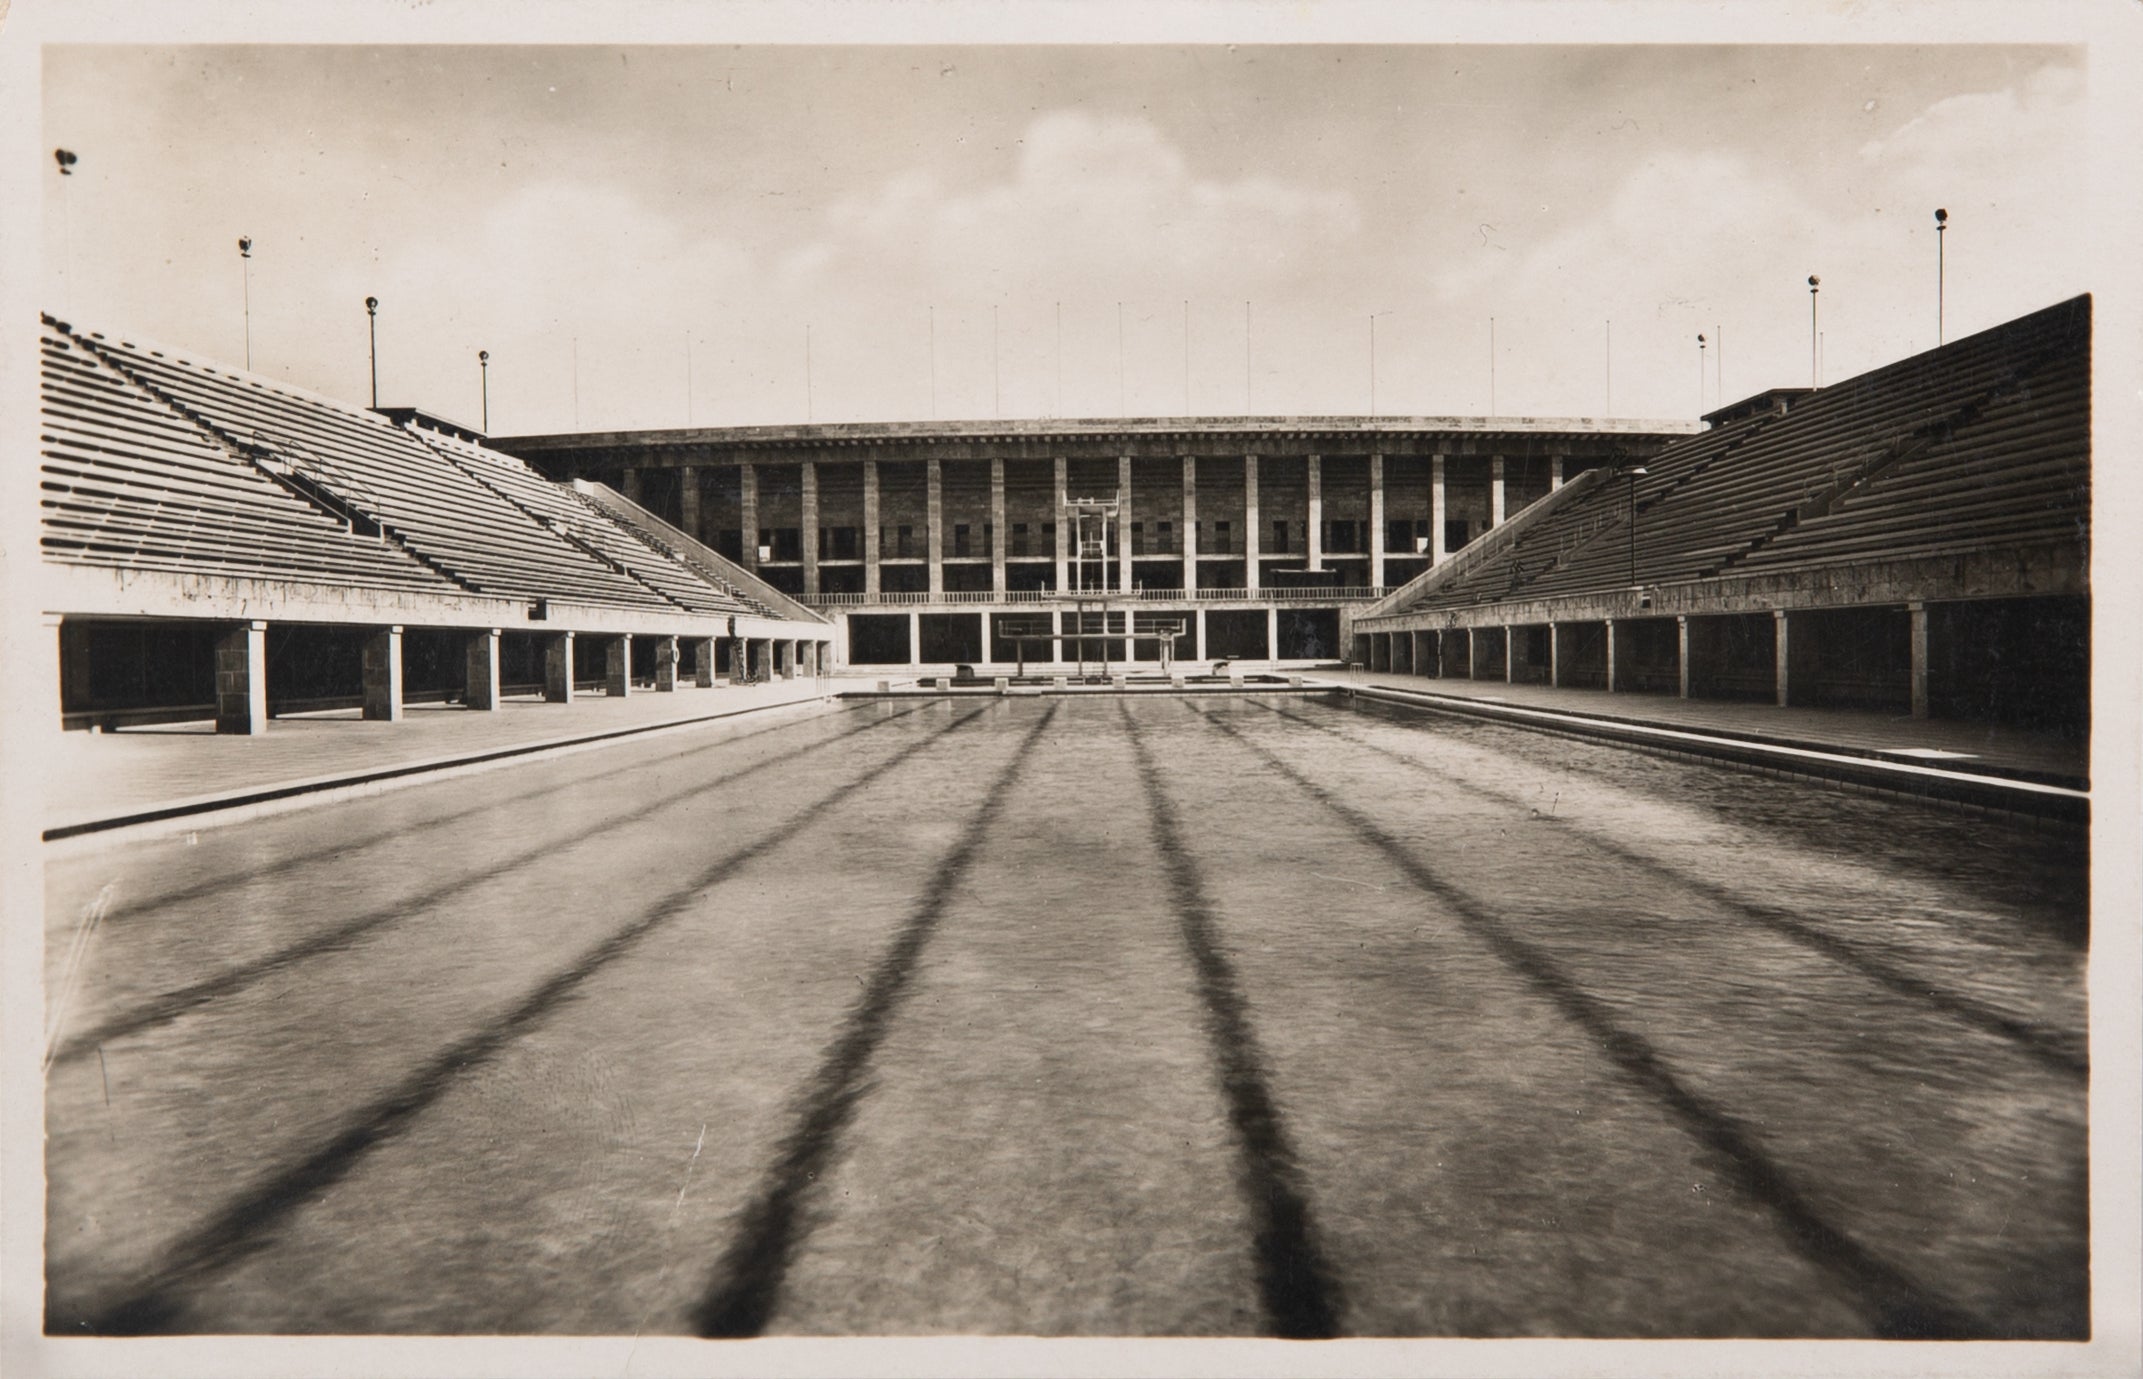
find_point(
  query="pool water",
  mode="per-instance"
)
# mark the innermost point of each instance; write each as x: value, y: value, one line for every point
x: 1130, y: 1015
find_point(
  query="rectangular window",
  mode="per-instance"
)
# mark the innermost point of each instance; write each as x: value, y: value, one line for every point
x: 1166, y: 541
x: 1138, y: 539
x: 959, y: 538
x: 1221, y: 539
x: 1455, y: 534
x: 1019, y: 538
x: 904, y: 538
x: 1279, y: 537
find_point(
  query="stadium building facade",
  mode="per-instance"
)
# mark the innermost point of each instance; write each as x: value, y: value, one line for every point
x: 948, y: 543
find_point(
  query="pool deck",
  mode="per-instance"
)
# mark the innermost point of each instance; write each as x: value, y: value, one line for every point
x: 95, y: 782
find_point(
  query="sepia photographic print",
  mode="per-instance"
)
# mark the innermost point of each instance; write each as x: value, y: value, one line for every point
x: 825, y: 689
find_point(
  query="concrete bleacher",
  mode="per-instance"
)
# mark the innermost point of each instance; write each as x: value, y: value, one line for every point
x: 205, y: 531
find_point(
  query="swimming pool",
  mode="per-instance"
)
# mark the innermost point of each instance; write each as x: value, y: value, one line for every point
x: 1131, y: 1015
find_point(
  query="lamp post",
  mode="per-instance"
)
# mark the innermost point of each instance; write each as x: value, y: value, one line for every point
x: 1815, y: 369
x: 483, y: 373
x: 245, y: 275
x: 372, y: 339
x: 1700, y: 373
x: 1942, y: 223
x: 1635, y: 473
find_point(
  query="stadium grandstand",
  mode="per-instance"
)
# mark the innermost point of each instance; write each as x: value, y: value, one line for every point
x: 220, y: 545
x: 1914, y: 539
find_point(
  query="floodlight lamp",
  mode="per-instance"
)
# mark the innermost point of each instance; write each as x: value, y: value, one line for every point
x: 1700, y: 337
x: 245, y: 246
x: 483, y: 356
x: 372, y: 306
x: 1813, y: 281
x: 66, y: 159
x: 1941, y: 217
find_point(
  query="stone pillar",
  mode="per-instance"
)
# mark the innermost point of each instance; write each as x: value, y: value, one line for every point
x: 810, y: 524
x: 383, y: 675
x: 1252, y: 537
x: 1681, y: 651
x: 915, y: 639
x: 1315, y: 521
x: 617, y: 666
x: 665, y: 665
x: 1469, y: 654
x: 242, y: 679
x: 688, y: 501
x: 1189, y: 524
x: 762, y: 659
x: 1555, y: 657
x: 998, y: 537
x: 632, y: 485
x: 1510, y: 655
x: 558, y: 668
x: 1063, y: 575
x: 934, y: 523
x: 1555, y: 472
x: 1376, y: 521
x: 1918, y: 613
x: 1198, y: 647
x: 785, y: 659
x: 1611, y: 685
x: 1782, y: 677
x: 1498, y: 508
x: 870, y: 531
x: 482, y: 653
x: 748, y: 504
x: 1123, y: 527
x: 1437, y: 548
x: 703, y: 662
x: 1272, y: 633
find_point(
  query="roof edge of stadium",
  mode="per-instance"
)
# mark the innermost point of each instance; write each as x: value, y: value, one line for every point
x: 1105, y: 426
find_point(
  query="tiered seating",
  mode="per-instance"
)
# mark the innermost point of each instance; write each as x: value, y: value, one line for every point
x: 435, y: 509
x: 2018, y: 470
x: 573, y: 517
x: 685, y: 551
x: 1984, y: 440
x: 128, y: 483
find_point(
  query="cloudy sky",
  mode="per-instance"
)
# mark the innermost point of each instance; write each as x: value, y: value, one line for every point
x: 608, y: 221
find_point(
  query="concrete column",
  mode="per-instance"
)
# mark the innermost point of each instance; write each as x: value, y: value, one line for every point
x: 1469, y: 653
x: 1555, y: 472
x: 1496, y: 506
x: 242, y: 679
x: 482, y: 653
x: 1555, y: 657
x: 383, y: 675
x: 1063, y: 576
x: 748, y: 504
x: 1918, y: 614
x: 1189, y: 524
x: 1781, y: 676
x: 785, y: 658
x: 1123, y: 526
x: 1681, y: 651
x: 1510, y: 655
x: 762, y: 659
x: 1316, y: 513
x: 1437, y: 549
x: 810, y: 524
x: 915, y: 639
x: 1611, y: 685
x: 688, y: 501
x: 1421, y: 653
x: 1272, y: 633
x: 617, y: 666
x: 665, y: 665
x: 934, y: 500
x: 1252, y: 536
x: 558, y: 669
x: 703, y: 662
x: 1198, y: 648
x: 632, y: 485
x: 1376, y: 521
x: 870, y: 530
x: 998, y: 537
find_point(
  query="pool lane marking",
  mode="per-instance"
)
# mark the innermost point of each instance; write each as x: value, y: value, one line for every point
x: 746, y: 1284
x: 170, y: 1005
x: 246, y: 1224
x: 1898, y: 1306
x: 1296, y: 1283
x: 2049, y: 1047
x: 287, y: 861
